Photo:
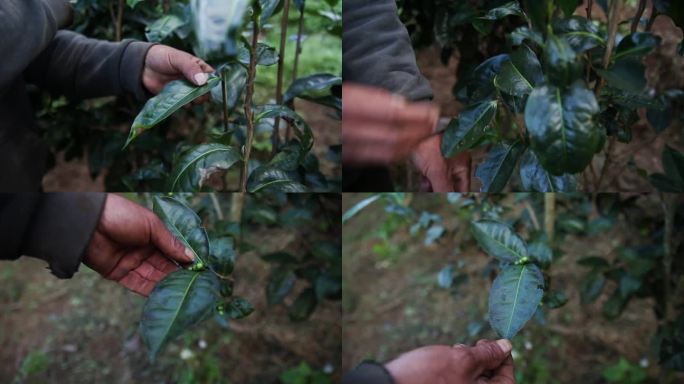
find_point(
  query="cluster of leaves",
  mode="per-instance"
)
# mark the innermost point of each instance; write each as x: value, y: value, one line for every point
x: 185, y: 161
x: 188, y: 296
x: 535, y: 104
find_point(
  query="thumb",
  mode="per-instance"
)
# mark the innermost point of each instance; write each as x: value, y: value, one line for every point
x: 192, y: 68
x: 489, y: 355
x: 168, y: 244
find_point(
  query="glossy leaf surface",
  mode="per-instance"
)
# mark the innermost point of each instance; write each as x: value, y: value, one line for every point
x: 466, y: 131
x: 519, y: 75
x: 236, y: 79
x: 273, y: 179
x: 184, y: 224
x: 178, y: 302
x: 222, y: 255
x: 499, y: 240
x: 194, y: 168
x: 514, y: 297
x: 535, y: 178
x: 498, y: 166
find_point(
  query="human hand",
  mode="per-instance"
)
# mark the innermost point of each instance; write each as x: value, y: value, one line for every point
x: 379, y: 128
x: 132, y: 246
x: 164, y: 64
x: 489, y: 362
x: 440, y: 174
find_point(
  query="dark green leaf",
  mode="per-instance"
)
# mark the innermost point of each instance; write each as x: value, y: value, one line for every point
x: 541, y: 253
x: 266, y: 55
x: 555, y: 299
x: 184, y: 224
x: 326, y: 251
x: 239, y: 308
x: 535, y: 178
x: 273, y: 179
x: 236, y: 79
x: 196, y: 165
x: 665, y: 184
x: 519, y: 75
x: 498, y: 167
x: 481, y: 82
x: 561, y: 127
x: 637, y: 44
x: 162, y: 28
x: 591, y: 288
x: 268, y: 8
x: 179, y: 301
x: 673, y: 164
x: 581, y: 34
x: 562, y: 66
x: 312, y: 87
x: 628, y: 285
x: 615, y: 305
x: 303, y: 306
x: 328, y: 286
x: 222, y: 255
x: 466, y: 131
x: 521, y: 34
x: 174, y: 95
x: 514, y: 298
x: 280, y: 283
x: 300, y: 4
x: 626, y: 74
x: 499, y: 240
x: 511, y: 8
x: 568, y: 6
x: 303, y: 131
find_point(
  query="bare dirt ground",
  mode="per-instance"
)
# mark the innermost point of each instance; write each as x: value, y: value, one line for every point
x: 74, y: 175
x: 84, y: 330
x: 393, y: 304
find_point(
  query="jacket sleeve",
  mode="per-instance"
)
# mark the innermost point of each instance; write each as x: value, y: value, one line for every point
x: 368, y: 373
x: 27, y: 27
x: 377, y: 50
x: 55, y: 227
x: 79, y: 67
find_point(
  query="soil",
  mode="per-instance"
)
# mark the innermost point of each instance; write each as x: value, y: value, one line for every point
x: 87, y: 329
x: 393, y: 304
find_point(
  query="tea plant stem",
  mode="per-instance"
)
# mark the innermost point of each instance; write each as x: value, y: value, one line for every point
x: 298, y: 50
x: 275, y: 138
x: 249, y: 115
x: 225, y: 101
x: 639, y: 14
x: 217, y: 206
x: 669, y: 211
x: 607, y: 163
x: 549, y: 215
x: 613, y: 23
x: 119, y: 20
x: 652, y: 18
x: 237, y: 201
x: 590, y: 6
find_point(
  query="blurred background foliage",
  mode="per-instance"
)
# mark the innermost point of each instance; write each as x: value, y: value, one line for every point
x: 86, y: 137
x: 415, y: 276
x: 85, y: 330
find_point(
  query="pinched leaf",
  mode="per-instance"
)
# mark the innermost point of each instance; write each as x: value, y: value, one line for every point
x: 520, y: 74
x: 162, y: 28
x: 499, y: 240
x: 498, y: 167
x: 193, y: 169
x: 302, y: 131
x: 235, y: 81
x: 637, y: 44
x: 222, y: 255
x: 561, y: 127
x: 184, y: 224
x: 515, y: 295
x: 535, y: 178
x: 312, y: 88
x: 466, y: 131
x: 181, y: 300
x: 174, y: 95
x: 273, y: 179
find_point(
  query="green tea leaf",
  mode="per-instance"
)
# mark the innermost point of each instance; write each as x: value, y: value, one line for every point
x: 303, y: 306
x: 637, y: 44
x: 196, y: 165
x: 514, y: 298
x: 239, y: 308
x: 511, y: 8
x: 266, y: 55
x: 174, y: 95
x: 184, y: 224
x: 520, y: 74
x: 222, y: 255
x: 561, y: 127
x: 302, y: 131
x: 466, y: 131
x: 273, y: 179
x: 480, y: 85
x: 498, y: 167
x: 535, y: 178
x: 162, y: 28
x: 499, y: 240
x: 236, y: 79
x: 627, y: 74
x: 580, y: 33
x: 562, y: 67
x: 315, y: 88
x: 181, y: 300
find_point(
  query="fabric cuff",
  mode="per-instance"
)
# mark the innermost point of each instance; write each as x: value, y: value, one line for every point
x: 61, y: 229
x: 368, y: 372
x: 131, y: 68
x: 61, y: 10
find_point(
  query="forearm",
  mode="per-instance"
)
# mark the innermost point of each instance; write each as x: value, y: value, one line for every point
x: 55, y: 227
x: 368, y: 373
x: 79, y: 67
x: 377, y: 50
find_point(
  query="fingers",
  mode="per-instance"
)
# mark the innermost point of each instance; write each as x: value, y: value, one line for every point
x: 166, y: 242
x: 192, y: 68
x: 505, y: 374
x: 489, y: 355
x: 138, y: 284
x: 460, y: 167
x: 432, y: 165
x: 161, y: 263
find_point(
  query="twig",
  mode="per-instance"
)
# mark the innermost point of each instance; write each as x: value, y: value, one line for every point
x: 590, y: 6
x: 550, y: 215
x: 225, y: 101
x: 237, y: 201
x: 249, y: 115
x: 607, y: 163
x: 217, y: 206
x: 669, y: 212
x: 533, y: 215
x: 652, y: 18
x: 613, y: 23
x: 298, y: 50
x: 275, y: 137
x: 119, y: 20
x: 637, y: 17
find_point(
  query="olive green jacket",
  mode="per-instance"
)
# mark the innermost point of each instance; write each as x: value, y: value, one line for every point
x: 35, y: 51
x: 55, y: 227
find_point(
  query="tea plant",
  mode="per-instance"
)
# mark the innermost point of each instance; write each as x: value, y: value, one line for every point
x: 570, y: 87
x: 188, y: 296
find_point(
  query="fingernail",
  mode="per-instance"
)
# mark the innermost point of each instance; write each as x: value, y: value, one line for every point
x: 190, y: 254
x: 505, y: 345
x: 201, y: 78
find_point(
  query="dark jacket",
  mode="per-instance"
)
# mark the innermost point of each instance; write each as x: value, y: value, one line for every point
x: 368, y: 373
x: 55, y: 227
x: 61, y: 62
x: 377, y: 51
